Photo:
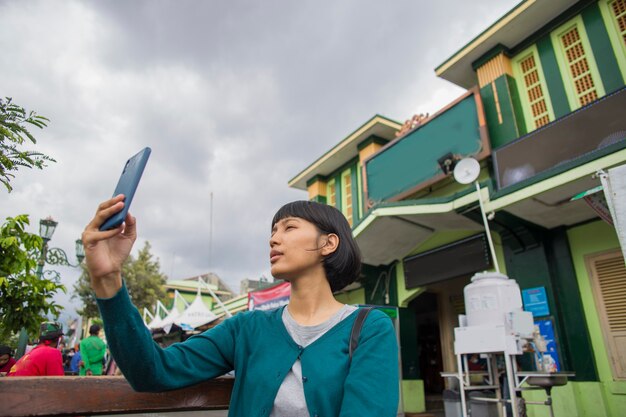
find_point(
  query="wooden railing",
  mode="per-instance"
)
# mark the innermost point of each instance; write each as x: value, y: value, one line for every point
x: 81, y: 396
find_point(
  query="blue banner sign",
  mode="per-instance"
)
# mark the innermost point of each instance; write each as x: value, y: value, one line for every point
x: 536, y: 301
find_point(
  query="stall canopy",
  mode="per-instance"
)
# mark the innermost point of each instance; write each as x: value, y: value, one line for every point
x: 168, y: 321
x: 196, y: 315
x: 156, y: 321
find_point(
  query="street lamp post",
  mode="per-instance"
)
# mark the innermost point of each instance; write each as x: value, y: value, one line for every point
x: 51, y: 256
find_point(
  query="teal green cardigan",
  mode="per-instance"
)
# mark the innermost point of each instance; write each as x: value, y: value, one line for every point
x: 257, y: 346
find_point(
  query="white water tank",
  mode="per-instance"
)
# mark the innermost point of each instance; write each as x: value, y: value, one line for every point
x: 489, y: 297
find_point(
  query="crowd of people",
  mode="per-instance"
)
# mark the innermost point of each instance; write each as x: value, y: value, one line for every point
x: 50, y: 357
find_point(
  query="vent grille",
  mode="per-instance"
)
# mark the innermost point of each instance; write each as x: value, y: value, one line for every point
x: 612, y: 284
x: 608, y: 281
x: 618, y: 7
x: 580, y: 72
x: 534, y: 91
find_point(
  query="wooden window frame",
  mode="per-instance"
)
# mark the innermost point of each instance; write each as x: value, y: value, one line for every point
x: 607, y: 334
x: 564, y: 68
x: 523, y: 91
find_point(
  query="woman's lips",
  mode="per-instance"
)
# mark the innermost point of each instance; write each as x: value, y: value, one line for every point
x: 274, y: 255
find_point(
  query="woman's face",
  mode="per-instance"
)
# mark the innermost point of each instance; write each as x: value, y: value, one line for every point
x: 295, y: 248
x: 4, y: 359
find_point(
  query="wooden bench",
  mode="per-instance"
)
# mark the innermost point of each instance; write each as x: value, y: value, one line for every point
x: 80, y: 396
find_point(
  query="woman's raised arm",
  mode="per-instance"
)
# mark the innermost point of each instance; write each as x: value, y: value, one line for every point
x: 106, y: 251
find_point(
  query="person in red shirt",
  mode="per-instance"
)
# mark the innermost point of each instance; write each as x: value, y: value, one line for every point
x: 45, y: 359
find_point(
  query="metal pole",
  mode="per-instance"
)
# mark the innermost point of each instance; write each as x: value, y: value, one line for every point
x: 219, y: 302
x: 211, y: 233
x: 482, y: 212
x: 510, y: 377
x: 459, y: 364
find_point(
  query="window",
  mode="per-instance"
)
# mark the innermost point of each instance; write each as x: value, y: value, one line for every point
x: 533, y: 91
x: 608, y: 282
x: 346, y: 195
x: 614, y: 15
x: 332, y: 193
x: 578, y: 67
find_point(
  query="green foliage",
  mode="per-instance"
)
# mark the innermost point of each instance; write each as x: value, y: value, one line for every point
x: 13, y: 135
x: 83, y: 291
x: 24, y: 295
x: 9, y: 339
x: 144, y: 281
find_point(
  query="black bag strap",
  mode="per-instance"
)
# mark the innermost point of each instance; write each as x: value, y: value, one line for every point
x: 356, y: 329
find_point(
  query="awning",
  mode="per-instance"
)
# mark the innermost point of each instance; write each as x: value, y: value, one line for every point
x: 196, y: 315
x: 166, y: 323
x: 391, y: 232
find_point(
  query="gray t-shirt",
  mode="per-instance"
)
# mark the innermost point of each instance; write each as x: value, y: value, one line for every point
x: 290, y: 399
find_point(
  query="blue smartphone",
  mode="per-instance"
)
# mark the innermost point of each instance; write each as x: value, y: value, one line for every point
x: 127, y: 185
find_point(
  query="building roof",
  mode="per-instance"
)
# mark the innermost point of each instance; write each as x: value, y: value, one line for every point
x: 187, y: 285
x: 347, y: 149
x: 519, y: 23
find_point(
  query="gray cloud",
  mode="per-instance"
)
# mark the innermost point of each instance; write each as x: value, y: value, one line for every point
x: 234, y: 98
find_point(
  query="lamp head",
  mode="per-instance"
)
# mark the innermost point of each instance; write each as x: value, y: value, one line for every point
x: 46, y: 228
x: 80, y: 250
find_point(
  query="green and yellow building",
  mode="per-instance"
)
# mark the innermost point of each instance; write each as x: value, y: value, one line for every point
x: 544, y: 111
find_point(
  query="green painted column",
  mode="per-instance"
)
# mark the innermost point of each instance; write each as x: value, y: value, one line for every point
x: 575, y: 337
x: 499, y: 133
x: 554, y: 80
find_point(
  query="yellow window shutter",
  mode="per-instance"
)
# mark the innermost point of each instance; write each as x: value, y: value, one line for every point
x: 578, y: 64
x: 346, y: 179
x: 532, y: 89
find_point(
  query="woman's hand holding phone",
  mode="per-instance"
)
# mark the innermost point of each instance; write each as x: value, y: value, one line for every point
x: 106, y: 251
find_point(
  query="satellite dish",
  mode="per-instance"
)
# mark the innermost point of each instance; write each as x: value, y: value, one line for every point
x: 466, y: 170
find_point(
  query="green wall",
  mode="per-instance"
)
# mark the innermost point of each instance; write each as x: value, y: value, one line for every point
x: 547, y: 263
x: 593, y: 238
x: 554, y: 80
x: 576, y: 399
x: 412, y: 160
x: 577, y: 343
x: 500, y: 133
x: 351, y: 297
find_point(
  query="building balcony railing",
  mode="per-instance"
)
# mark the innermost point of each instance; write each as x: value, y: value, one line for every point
x: 579, y: 137
x: 426, y: 154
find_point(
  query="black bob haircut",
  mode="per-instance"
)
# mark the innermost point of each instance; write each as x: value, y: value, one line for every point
x: 94, y: 329
x: 343, y: 266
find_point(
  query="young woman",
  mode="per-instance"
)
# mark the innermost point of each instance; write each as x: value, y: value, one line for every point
x: 291, y: 361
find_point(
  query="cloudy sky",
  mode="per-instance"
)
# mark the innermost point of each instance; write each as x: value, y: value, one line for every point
x: 234, y: 98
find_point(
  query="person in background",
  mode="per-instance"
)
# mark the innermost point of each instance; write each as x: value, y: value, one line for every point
x: 92, y: 350
x: 45, y: 359
x: 76, y: 361
x: 6, y: 360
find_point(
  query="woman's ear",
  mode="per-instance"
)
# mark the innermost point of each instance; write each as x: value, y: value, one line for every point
x: 330, y: 245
